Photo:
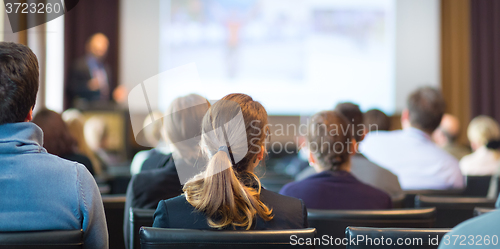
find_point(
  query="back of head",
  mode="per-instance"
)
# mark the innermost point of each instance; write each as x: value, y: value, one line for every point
x: 481, y: 130
x: 355, y: 116
x: 182, y: 122
x: 18, y: 82
x: 57, y: 138
x: 376, y: 120
x: 426, y: 107
x: 449, y: 128
x: 95, y: 131
x: 75, y: 121
x: 233, y: 133
x: 329, y: 139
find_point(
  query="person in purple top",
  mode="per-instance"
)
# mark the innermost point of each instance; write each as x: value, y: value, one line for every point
x: 331, y: 144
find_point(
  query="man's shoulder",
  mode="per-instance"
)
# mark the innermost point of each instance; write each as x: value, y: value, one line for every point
x: 482, y: 226
x: 360, y: 164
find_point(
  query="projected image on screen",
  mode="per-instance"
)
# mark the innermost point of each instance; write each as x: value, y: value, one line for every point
x: 295, y: 56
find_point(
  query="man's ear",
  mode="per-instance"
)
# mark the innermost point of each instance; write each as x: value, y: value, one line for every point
x: 405, y: 118
x: 29, y: 117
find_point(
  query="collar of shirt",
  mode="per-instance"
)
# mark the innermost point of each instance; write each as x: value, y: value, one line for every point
x: 414, y: 132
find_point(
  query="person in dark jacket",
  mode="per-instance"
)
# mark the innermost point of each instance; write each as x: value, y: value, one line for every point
x: 330, y: 143
x: 227, y: 194
x: 158, y: 178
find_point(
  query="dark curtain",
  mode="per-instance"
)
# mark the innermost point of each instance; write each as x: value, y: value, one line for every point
x: 485, y: 58
x: 87, y: 18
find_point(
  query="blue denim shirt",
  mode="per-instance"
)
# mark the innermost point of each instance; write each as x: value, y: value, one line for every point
x: 40, y: 191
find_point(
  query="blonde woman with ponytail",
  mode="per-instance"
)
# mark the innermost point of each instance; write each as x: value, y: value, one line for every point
x: 227, y: 194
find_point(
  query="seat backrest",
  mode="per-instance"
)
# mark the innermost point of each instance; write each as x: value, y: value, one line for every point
x: 480, y: 210
x: 165, y: 238
x: 409, y: 201
x: 377, y: 238
x: 477, y: 186
x: 451, y: 210
x: 139, y: 217
x: 334, y: 222
x: 70, y: 239
x: 114, y: 208
x: 398, y: 202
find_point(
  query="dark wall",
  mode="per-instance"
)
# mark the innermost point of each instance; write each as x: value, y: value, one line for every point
x: 485, y: 58
x: 87, y: 18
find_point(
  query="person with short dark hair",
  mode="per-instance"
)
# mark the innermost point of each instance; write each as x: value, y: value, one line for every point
x: 330, y: 154
x: 362, y: 168
x: 376, y: 120
x: 42, y: 191
x: 410, y: 153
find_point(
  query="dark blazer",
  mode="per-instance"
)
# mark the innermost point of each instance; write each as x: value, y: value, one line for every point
x: 149, y: 187
x: 289, y: 213
x: 80, y: 159
x: 79, y: 76
x: 337, y: 190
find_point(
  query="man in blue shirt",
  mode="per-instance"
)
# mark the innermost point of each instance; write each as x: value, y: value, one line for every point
x: 39, y: 191
x: 410, y: 153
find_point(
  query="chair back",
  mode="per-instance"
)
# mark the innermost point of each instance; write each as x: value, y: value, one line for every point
x: 450, y: 211
x: 165, y: 238
x: 479, y: 211
x: 407, y: 238
x: 334, y: 222
x: 114, y: 207
x: 409, y: 201
x: 477, y: 186
x: 139, y: 217
x: 398, y: 202
x: 70, y: 239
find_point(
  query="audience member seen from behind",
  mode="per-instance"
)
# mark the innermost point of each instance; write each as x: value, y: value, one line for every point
x: 42, y: 191
x: 57, y: 138
x: 334, y: 187
x: 97, y: 134
x: 159, y: 179
x: 227, y: 194
x: 446, y: 135
x: 363, y: 169
x: 410, y: 153
x: 152, y: 133
x: 376, y: 120
x: 479, y: 232
x: 75, y: 121
x: 483, y: 161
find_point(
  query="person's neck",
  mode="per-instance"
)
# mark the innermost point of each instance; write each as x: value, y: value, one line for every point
x: 416, y: 128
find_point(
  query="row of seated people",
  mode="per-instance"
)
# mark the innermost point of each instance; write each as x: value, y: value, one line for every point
x: 224, y: 194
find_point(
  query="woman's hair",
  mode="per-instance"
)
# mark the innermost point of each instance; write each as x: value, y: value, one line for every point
x: 182, y: 122
x: 75, y: 121
x: 56, y: 136
x: 329, y: 139
x: 233, y: 133
x: 483, y: 129
x: 95, y: 131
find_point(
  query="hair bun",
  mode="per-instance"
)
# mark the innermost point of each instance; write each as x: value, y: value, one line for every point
x: 493, y: 144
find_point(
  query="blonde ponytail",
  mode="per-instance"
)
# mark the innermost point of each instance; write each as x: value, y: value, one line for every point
x: 220, y: 195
